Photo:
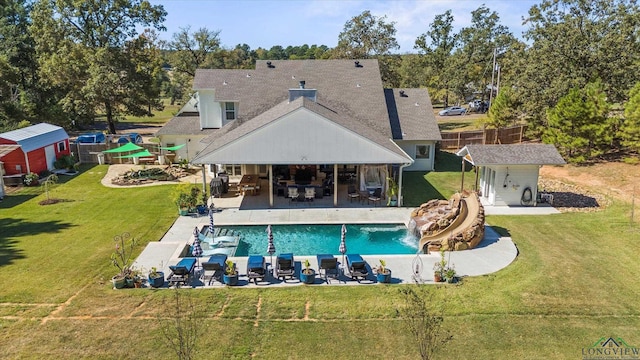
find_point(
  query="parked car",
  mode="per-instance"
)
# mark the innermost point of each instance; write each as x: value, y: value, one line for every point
x: 453, y: 110
x: 93, y: 138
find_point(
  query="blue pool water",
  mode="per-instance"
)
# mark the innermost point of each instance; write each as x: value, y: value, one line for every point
x: 369, y: 239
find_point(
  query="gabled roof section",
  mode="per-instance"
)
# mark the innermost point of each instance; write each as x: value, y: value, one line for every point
x: 411, y: 115
x: 36, y: 136
x: 185, y: 123
x: 316, y: 117
x: 512, y: 154
x: 352, y: 91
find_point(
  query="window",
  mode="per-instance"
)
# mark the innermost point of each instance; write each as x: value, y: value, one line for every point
x: 62, y: 146
x: 423, y: 151
x: 230, y: 111
x: 233, y: 169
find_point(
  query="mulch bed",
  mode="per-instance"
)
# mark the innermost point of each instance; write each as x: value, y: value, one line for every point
x: 572, y: 198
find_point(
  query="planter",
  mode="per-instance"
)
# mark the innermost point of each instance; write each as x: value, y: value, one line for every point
x: 230, y: 280
x: 393, y: 202
x: 129, y: 282
x: 309, y: 278
x: 437, y: 277
x: 384, y: 277
x: 118, y: 282
x: 158, y: 281
x: 452, y: 280
x: 183, y: 212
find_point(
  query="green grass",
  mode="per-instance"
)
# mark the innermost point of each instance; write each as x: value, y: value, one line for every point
x: 576, y: 279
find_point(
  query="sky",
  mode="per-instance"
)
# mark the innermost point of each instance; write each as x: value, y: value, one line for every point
x: 266, y: 23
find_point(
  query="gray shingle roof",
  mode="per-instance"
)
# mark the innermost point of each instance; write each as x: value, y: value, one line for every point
x: 351, y: 91
x: 411, y: 115
x: 513, y: 154
x: 184, y: 124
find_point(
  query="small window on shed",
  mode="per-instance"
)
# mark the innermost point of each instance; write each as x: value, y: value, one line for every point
x: 62, y: 146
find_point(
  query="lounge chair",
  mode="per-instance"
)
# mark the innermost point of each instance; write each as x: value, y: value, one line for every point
x: 256, y: 268
x: 285, y: 267
x: 357, y: 266
x: 292, y: 193
x: 181, y: 272
x: 216, y: 266
x: 327, y: 265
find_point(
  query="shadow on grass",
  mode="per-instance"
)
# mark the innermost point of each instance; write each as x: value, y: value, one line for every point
x: 417, y: 190
x: 12, y: 229
x: 448, y: 126
x: 449, y: 162
x: 11, y: 200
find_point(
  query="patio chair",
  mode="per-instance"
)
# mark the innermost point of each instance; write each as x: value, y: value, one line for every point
x: 352, y: 193
x: 309, y: 193
x: 357, y: 266
x: 328, y: 266
x: 292, y: 193
x: 285, y: 267
x: 181, y: 272
x: 215, y: 266
x: 256, y: 268
x: 376, y: 196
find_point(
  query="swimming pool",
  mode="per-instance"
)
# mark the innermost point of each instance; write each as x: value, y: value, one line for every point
x: 364, y: 239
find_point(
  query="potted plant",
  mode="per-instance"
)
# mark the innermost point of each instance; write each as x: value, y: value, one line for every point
x: 230, y: 276
x: 156, y: 278
x: 439, y: 268
x: 450, y: 275
x: 392, y: 192
x: 186, y: 198
x: 308, y: 275
x: 383, y: 274
x: 121, y: 259
x: 31, y: 179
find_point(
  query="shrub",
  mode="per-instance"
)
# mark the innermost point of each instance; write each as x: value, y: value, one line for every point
x: 31, y: 179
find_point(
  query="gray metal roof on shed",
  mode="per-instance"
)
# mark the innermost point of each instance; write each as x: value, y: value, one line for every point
x: 36, y: 136
x: 512, y: 154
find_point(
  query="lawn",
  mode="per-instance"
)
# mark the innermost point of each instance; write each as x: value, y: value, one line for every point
x: 576, y: 279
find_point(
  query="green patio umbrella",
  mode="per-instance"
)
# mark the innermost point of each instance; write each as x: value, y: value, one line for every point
x: 136, y: 155
x: 173, y: 148
x: 124, y: 148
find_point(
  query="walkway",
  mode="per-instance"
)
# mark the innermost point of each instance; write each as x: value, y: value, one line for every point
x: 492, y: 254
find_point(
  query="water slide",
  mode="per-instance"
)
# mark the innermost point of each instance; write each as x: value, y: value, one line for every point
x: 467, y: 220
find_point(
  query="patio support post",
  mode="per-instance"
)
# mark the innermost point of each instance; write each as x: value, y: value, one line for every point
x: 475, y: 185
x: 335, y: 184
x: 204, y: 180
x: 462, y: 181
x: 270, y: 185
x: 399, y: 202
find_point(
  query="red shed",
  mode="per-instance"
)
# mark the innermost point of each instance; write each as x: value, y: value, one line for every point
x: 33, y: 149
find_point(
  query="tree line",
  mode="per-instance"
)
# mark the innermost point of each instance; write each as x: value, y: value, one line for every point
x: 573, y: 77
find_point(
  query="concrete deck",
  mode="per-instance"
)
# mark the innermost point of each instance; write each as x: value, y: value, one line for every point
x: 491, y: 255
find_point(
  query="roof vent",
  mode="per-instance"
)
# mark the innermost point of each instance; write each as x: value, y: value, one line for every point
x: 270, y: 65
x: 357, y: 64
x: 402, y: 94
x: 301, y: 83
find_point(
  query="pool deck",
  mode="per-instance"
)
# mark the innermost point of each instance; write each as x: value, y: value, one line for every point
x: 492, y: 254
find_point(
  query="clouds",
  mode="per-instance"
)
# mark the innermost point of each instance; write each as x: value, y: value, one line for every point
x: 295, y: 22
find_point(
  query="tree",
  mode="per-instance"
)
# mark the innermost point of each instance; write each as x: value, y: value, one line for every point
x: 366, y: 36
x: 579, y: 125
x: 423, y: 322
x: 180, y: 325
x: 89, y: 49
x: 502, y: 111
x: 474, y: 56
x: 437, y: 44
x: 191, y: 51
x: 574, y: 42
x: 630, y: 130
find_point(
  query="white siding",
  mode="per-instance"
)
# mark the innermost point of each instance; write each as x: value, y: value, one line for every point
x: 210, y: 110
x: 419, y: 164
x: 193, y: 147
x: 303, y: 137
x: 510, y: 183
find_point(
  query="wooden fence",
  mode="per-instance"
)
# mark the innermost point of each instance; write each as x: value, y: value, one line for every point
x: 458, y: 140
x: 88, y: 153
